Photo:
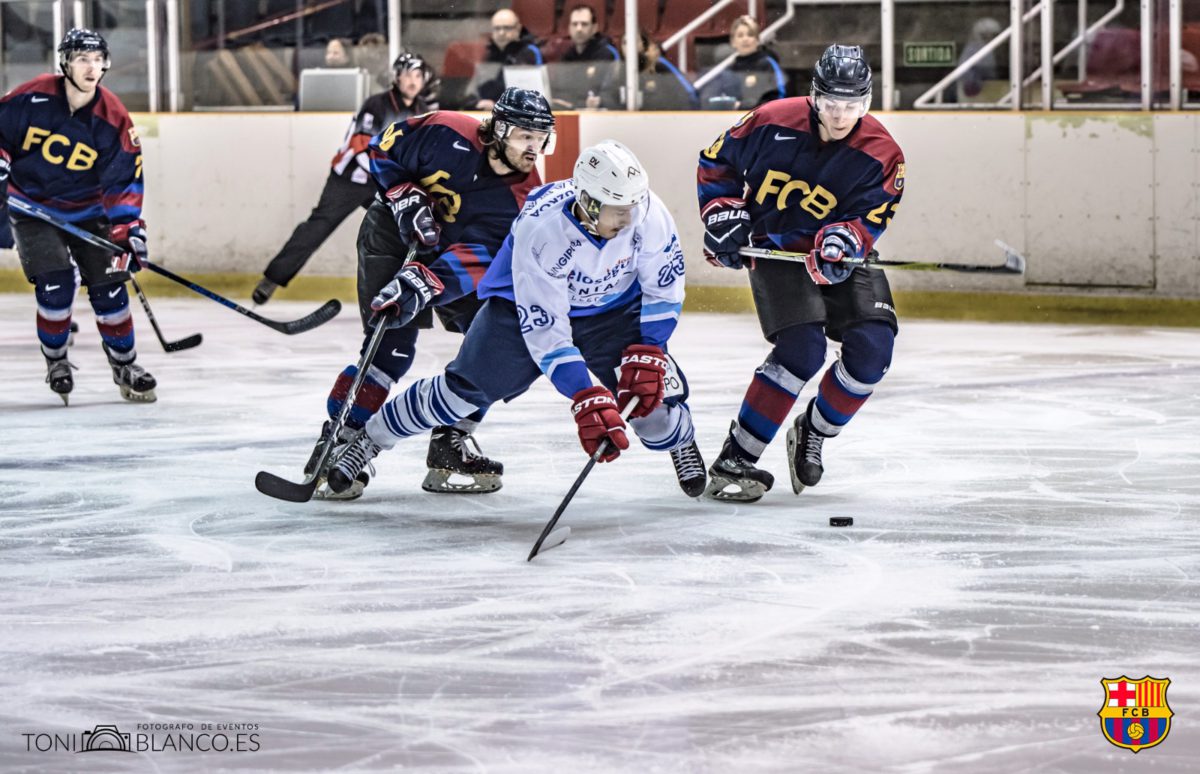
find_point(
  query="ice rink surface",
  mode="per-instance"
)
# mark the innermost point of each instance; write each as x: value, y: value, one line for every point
x: 1027, y: 521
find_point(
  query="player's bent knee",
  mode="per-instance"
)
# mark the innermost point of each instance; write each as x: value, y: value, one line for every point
x: 801, y: 349
x: 867, y: 350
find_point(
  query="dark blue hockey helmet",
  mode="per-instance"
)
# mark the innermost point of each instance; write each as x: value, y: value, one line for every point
x: 842, y: 72
x: 80, y: 39
x: 523, y: 109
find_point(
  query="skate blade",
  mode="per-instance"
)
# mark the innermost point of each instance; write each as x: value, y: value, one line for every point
x: 66, y: 398
x: 734, y: 490
x: 133, y: 396
x: 793, y: 440
x: 441, y: 481
x: 323, y: 492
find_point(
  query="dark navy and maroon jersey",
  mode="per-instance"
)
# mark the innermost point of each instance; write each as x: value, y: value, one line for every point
x: 76, y: 167
x: 441, y: 152
x: 794, y: 183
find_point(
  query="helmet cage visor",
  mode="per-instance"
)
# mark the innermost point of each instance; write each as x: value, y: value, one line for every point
x: 836, y: 106
x: 543, y: 141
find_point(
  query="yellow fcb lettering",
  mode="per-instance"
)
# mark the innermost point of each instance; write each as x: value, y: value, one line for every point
x: 389, y: 137
x: 447, y: 202
x: 58, y: 149
x: 817, y: 200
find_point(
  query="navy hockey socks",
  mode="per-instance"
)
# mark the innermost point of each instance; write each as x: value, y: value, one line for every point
x: 866, y: 356
x: 371, y: 395
x: 55, y: 293
x: 113, y: 318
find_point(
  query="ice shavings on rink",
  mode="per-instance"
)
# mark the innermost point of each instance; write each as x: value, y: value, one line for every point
x: 1027, y: 521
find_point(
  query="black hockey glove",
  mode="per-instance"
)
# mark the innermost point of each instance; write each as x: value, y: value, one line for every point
x: 405, y: 296
x: 726, y: 230
x: 413, y: 211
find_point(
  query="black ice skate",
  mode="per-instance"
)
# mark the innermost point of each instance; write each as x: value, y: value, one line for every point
x: 804, y: 453
x: 263, y: 291
x: 352, y: 459
x: 323, y: 492
x: 689, y: 469
x: 454, y: 452
x: 734, y: 479
x: 58, y: 376
x: 137, y: 386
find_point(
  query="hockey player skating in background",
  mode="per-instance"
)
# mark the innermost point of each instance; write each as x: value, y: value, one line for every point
x: 591, y: 279
x: 450, y: 186
x: 805, y: 174
x: 349, y: 185
x: 67, y: 147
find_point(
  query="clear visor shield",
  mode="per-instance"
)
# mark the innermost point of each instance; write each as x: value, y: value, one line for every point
x: 522, y: 140
x: 85, y: 58
x: 842, y: 107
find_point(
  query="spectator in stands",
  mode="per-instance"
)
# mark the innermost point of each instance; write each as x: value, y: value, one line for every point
x: 982, y: 32
x: 371, y: 54
x: 510, y: 44
x: 589, y: 72
x: 753, y: 78
x: 662, y: 85
x: 337, y: 53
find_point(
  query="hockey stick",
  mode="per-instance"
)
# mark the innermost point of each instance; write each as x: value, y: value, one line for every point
x: 169, y: 346
x: 280, y: 488
x: 1014, y: 262
x: 321, y: 316
x: 591, y: 463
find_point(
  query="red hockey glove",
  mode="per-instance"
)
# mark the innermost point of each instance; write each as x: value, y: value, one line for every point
x: 726, y: 230
x: 837, y: 251
x: 132, y: 237
x: 413, y: 211
x: 643, y: 367
x: 598, y: 421
x: 405, y: 296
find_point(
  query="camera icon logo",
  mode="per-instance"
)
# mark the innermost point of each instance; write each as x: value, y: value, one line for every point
x: 105, y: 738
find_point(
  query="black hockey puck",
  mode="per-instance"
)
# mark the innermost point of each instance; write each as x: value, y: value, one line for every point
x: 841, y: 521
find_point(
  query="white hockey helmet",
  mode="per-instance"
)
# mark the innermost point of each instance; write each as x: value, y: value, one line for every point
x: 609, y: 173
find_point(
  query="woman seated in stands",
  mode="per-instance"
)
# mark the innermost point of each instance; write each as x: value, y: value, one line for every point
x: 754, y: 77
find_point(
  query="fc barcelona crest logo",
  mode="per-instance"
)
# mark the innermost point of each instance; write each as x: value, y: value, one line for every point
x: 1135, y: 714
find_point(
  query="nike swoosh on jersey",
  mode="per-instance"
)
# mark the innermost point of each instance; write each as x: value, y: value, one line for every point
x: 48, y: 288
x: 779, y: 136
x: 39, y: 99
x: 461, y: 147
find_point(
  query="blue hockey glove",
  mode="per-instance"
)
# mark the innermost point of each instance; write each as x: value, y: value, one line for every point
x: 132, y: 237
x: 726, y: 230
x: 405, y: 296
x: 413, y: 211
x: 837, y: 251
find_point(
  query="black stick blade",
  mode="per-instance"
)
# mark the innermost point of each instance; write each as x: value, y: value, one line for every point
x: 281, y: 489
x: 188, y: 343
x: 327, y: 312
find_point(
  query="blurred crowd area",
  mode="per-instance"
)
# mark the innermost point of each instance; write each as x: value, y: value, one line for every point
x: 251, y: 54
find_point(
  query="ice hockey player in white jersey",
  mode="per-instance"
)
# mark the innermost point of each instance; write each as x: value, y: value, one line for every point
x: 590, y: 279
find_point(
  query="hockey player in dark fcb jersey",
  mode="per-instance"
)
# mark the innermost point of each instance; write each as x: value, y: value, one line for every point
x: 451, y: 186
x: 349, y: 185
x: 810, y: 174
x: 67, y: 146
